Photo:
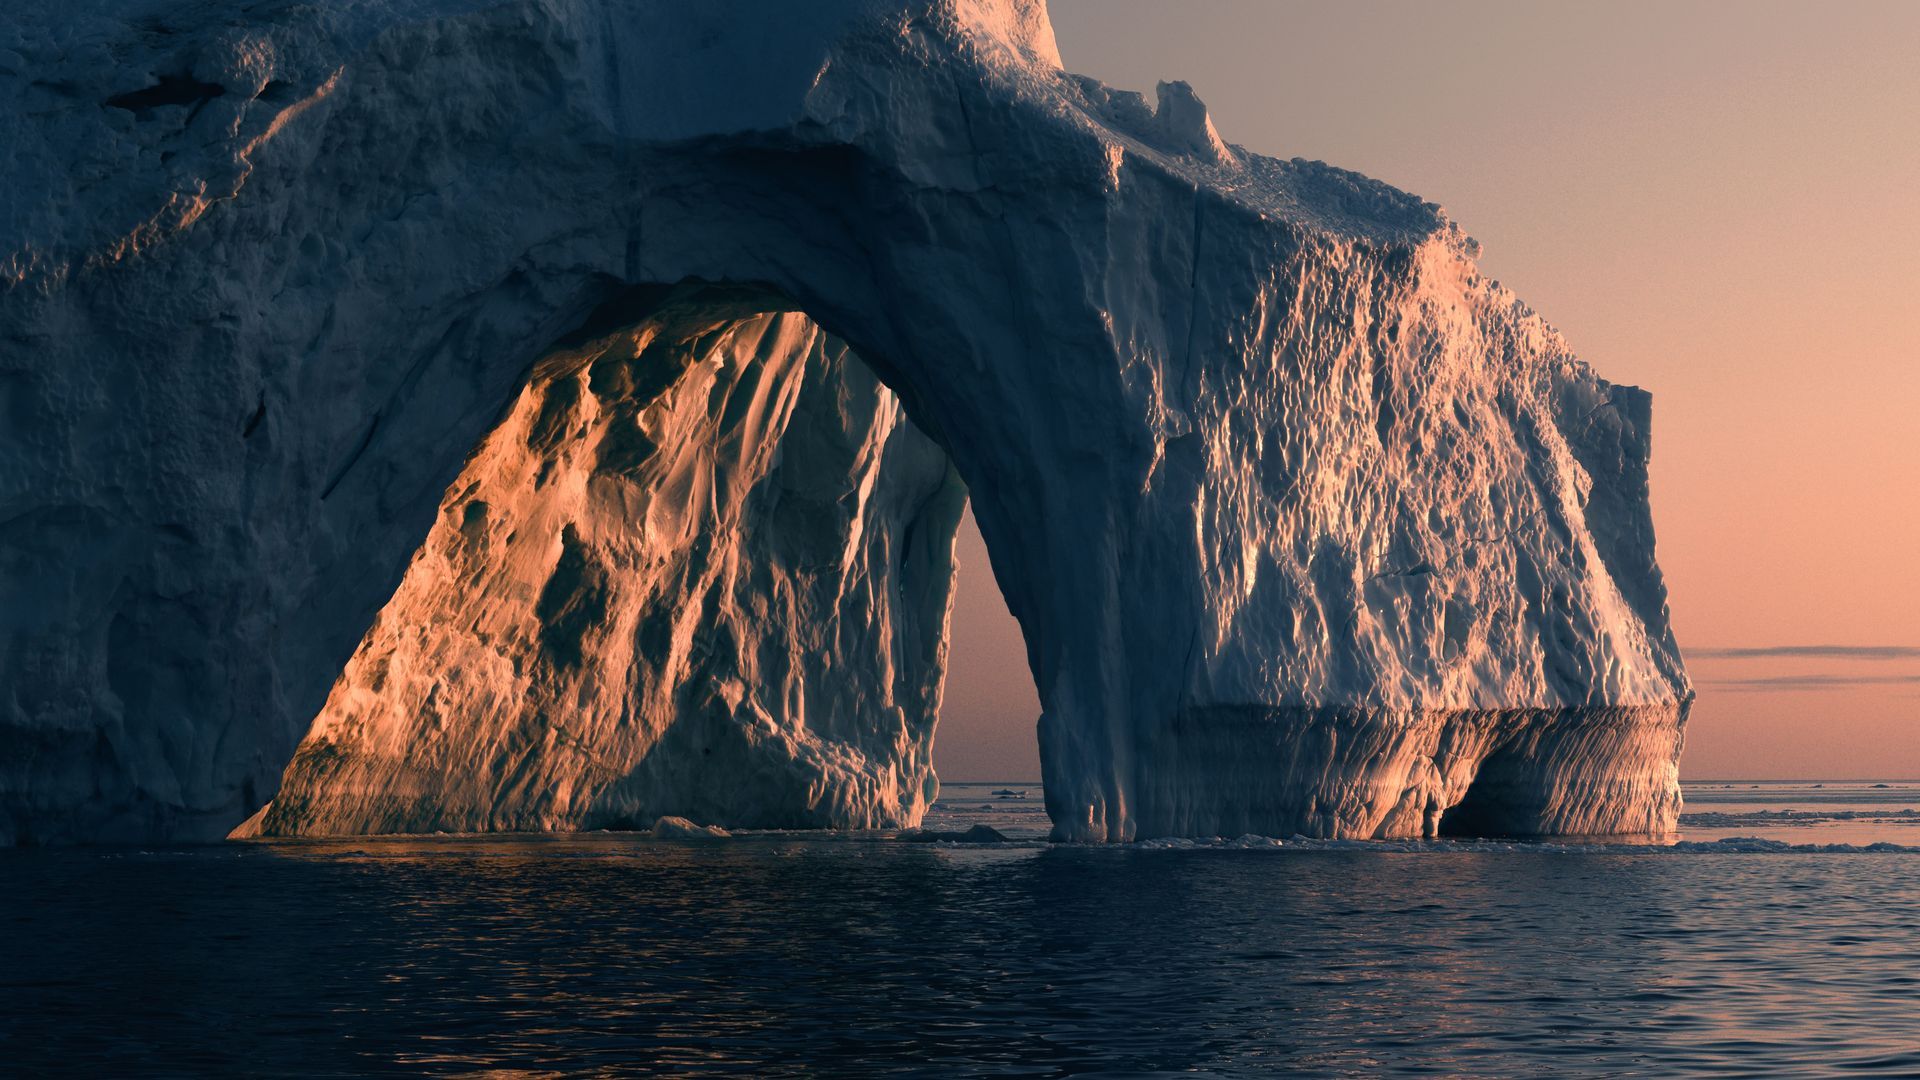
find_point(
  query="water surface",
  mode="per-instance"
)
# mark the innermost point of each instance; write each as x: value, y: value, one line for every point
x: 777, y: 955
x: 1857, y: 812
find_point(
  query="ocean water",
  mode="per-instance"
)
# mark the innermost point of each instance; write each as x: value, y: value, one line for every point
x: 1859, y: 812
x: 791, y: 955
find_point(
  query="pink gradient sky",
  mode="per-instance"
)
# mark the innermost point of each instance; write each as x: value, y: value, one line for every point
x: 1719, y: 202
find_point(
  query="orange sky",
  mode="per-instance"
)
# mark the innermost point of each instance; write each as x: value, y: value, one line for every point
x: 1719, y: 202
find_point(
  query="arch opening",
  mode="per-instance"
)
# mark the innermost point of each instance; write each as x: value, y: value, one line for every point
x: 1491, y: 805
x: 702, y: 566
x: 990, y: 707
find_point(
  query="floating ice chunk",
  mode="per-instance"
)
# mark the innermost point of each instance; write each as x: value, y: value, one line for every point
x: 979, y: 834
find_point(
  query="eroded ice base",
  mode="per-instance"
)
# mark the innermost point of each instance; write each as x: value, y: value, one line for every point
x: 1351, y: 773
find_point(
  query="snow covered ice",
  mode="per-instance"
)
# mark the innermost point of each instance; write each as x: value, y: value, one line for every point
x: 557, y: 414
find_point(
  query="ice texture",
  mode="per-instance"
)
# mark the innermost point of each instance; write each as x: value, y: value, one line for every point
x: 706, y: 546
x: 352, y: 362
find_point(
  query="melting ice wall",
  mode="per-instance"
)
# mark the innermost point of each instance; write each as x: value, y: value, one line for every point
x: 1308, y: 526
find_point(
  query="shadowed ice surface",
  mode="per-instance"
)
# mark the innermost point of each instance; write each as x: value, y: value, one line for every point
x: 774, y: 954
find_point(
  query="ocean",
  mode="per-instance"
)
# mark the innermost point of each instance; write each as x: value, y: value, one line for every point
x: 1776, y: 937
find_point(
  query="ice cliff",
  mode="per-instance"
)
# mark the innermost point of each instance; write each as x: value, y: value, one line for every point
x: 475, y: 414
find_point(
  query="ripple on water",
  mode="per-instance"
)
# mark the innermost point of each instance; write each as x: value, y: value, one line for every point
x: 776, y: 955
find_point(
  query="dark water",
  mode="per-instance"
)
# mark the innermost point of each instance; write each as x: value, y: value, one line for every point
x: 772, y: 955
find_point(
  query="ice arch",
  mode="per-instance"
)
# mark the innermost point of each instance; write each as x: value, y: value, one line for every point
x: 1301, y: 517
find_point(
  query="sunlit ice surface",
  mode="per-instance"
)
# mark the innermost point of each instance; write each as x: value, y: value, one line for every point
x: 784, y: 954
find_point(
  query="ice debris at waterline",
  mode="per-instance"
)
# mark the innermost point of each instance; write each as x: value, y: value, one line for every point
x: 519, y: 415
x: 679, y: 828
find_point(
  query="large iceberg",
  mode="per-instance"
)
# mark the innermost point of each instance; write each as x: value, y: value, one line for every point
x: 485, y: 414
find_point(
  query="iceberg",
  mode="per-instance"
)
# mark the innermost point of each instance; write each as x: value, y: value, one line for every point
x: 455, y: 415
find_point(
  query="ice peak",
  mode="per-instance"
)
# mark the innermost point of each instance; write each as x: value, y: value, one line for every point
x: 1023, y: 26
x: 1183, y: 124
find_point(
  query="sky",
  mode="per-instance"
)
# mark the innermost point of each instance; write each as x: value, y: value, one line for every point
x: 1719, y: 202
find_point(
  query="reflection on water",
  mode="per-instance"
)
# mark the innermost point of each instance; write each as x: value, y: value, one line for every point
x: 781, y: 955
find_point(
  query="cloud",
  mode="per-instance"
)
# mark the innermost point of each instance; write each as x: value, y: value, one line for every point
x: 1778, y: 683
x: 1808, y: 652
x: 1807, y: 682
